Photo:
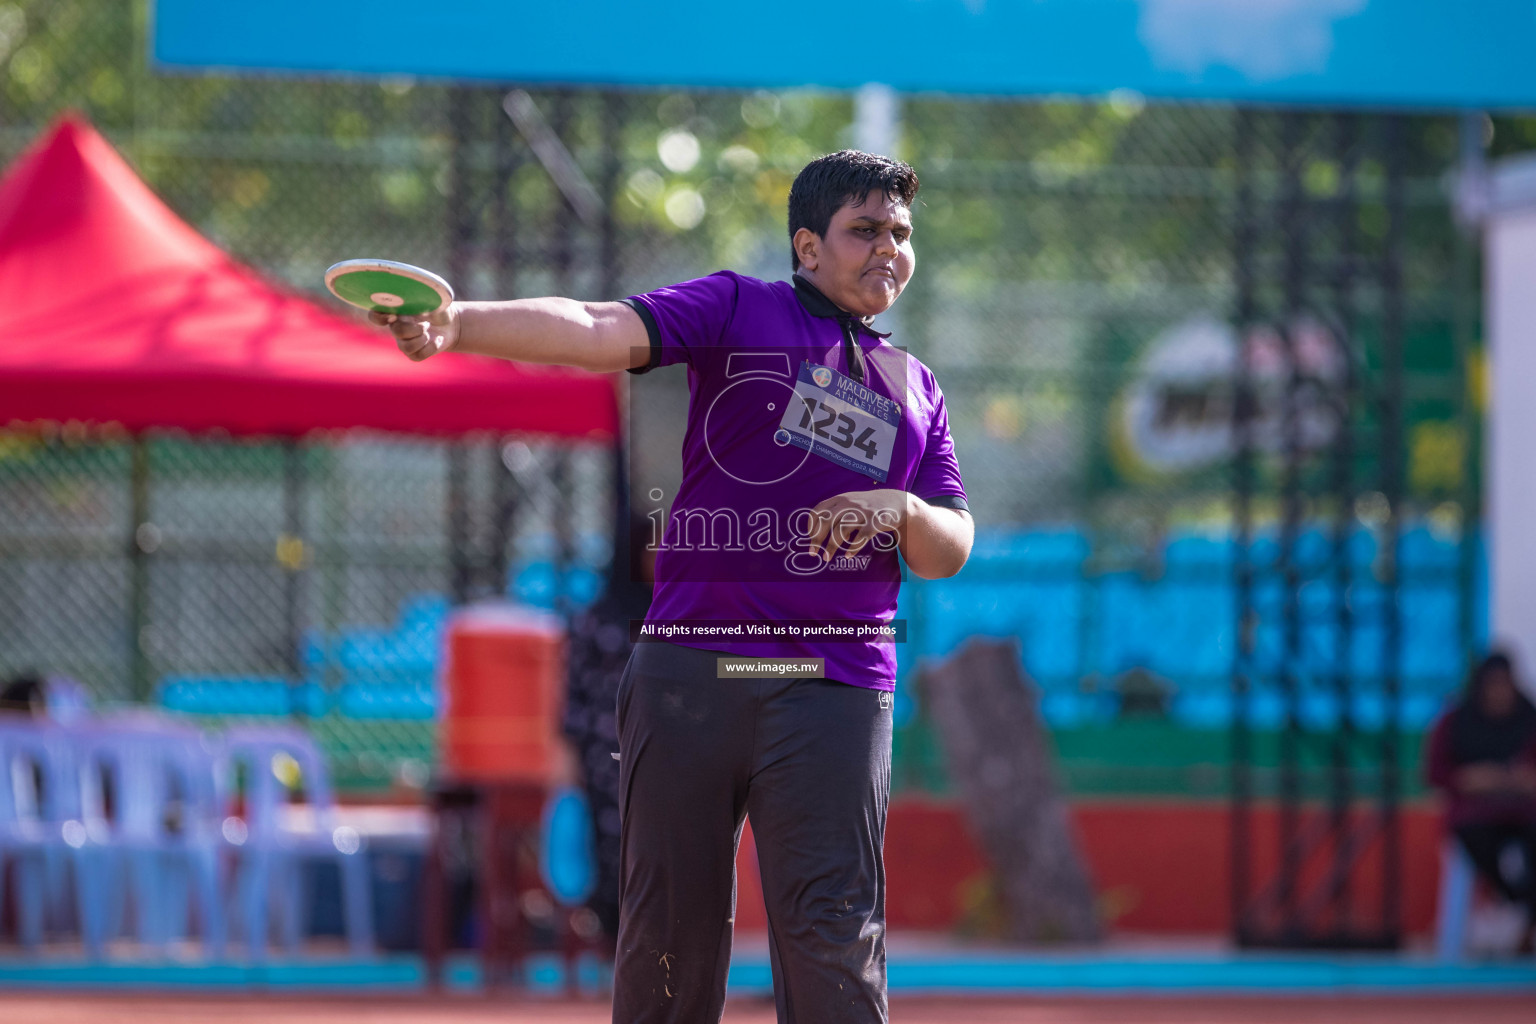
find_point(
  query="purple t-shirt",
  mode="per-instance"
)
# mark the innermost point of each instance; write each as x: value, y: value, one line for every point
x: 778, y: 421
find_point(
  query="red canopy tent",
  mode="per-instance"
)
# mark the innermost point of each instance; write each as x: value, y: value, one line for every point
x: 117, y: 311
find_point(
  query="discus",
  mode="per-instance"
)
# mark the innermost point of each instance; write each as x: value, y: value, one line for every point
x: 384, y: 286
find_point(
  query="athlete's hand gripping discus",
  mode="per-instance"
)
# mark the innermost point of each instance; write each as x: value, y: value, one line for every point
x: 385, y: 288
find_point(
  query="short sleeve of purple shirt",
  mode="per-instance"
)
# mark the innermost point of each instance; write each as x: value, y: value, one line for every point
x: 937, y: 479
x: 687, y: 320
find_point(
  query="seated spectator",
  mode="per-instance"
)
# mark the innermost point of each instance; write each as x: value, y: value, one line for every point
x: 56, y: 697
x: 1482, y: 756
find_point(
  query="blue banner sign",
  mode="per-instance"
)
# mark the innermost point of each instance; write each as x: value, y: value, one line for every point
x: 1402, y: 53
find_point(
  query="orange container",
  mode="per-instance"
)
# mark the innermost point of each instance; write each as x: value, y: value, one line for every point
x: 504, y: 680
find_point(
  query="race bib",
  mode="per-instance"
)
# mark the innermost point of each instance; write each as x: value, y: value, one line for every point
x: 838, y: 418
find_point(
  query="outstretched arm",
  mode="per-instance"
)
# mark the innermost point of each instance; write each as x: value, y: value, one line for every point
x: 599, y: 336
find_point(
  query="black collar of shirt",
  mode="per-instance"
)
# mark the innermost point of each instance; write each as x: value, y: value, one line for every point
x: 817, y: 304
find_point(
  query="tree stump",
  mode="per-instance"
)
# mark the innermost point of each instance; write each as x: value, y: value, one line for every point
x: 999, y: 755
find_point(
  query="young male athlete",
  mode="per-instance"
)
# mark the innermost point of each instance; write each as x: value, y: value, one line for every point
x: 815, y: 452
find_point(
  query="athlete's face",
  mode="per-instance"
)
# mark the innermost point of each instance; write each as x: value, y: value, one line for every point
x: 1497, y: 693
x: 866, y: 258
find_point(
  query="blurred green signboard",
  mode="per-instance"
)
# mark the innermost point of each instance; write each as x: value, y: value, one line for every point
x: 1400, y: 53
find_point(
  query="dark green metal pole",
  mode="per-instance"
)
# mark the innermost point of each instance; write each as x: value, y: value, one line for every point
x: 1245, y: 240
x: 1393, y: 457
x: 292, y: 558
x: 142, y: 540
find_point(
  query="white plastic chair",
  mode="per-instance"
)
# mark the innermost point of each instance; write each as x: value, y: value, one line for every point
x: 272, y: 849
x: 156, y: 767
x: 1458, y: 886
x: 1458, y: 892
x: 42, y: 835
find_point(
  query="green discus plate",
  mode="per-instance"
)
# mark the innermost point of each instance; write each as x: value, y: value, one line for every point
x: 384, y: 286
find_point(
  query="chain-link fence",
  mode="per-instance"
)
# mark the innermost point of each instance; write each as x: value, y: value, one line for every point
x: 307, y: 579
x: 1090, y: 276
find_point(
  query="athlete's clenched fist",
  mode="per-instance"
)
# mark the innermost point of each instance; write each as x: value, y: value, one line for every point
x: 422, y: 336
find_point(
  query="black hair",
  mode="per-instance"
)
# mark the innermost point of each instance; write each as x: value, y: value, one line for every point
x: 827, y: 183
x: 1477, y: 679
x: 1477, y: 736
x: 24, y: 694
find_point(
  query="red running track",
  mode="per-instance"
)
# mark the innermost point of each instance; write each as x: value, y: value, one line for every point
x: 17, y: 1008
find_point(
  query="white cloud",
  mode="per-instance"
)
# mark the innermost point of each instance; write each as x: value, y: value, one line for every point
x: 1265, y: 40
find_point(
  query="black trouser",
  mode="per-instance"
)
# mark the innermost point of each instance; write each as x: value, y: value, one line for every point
x: 810, y: 761
x: 1485, y: 843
